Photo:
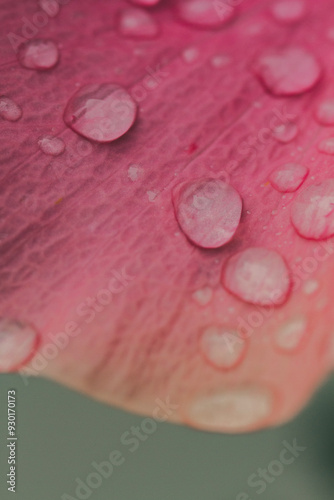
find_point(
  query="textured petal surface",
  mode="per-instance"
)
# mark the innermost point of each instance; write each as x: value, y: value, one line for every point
x: 92, y: 256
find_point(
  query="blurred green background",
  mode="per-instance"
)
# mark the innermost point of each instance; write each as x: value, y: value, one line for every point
x: 60, y: 434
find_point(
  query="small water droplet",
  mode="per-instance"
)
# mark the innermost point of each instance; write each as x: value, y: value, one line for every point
x: 310, y: 287
x: 204, y: 14
x: 222, y: 347
x: 190, y: 54
x: 137, y: 23
x: 285, y: 132
x: 208, y: 211
x: 325, y: 112
x: 17, y: 344
x: 288, y: 11
x: 38, y: 54
x: 327, y: 146
x: 288, y: 177
x: 289, y: 336
x: 312, y: 211
x: 101, y: 112
x: 135, y: 172
x: 220, y: 60
x: 203, y: 296
x: 258, y: 276
x: 9, y: 110
x: 152, y: 195
x: 53, y: 146
x: 289, y: 71
x: 232, y: 410
x: 51, y: 7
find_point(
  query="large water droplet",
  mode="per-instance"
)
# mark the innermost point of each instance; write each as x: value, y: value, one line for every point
x: 288, y: 11
x: 208, y: 211
x: 289, y: 336
x: 258, y: 276
x: 288, y: 177
x: 327, y: 146
x: 137, y: 23
x: 312, y: 212
x: 204, y: 13
x: 222, y: 347
x: 9, y: 110
x: 285, y: 132
x: 289, y: 71
x: 101, y: 112
x: 17, y: 344
x: 325, y: 112
x: 53, y: 146
x: 38, y: 54
x: 232, y: 410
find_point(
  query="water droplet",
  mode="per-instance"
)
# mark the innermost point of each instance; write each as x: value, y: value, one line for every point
x: 137, y: 23
x: 310, y: 287
x: 222, y: 347
x: 38, y: 54
x: 327, y: 146
x: 285, y: 132
x: 190, y: 54
x: 204, y: 14
x: 289, y: 71
x: 53, y: 146
x: 220, y: 60
x: 135, y: 172
x: 232, y: 410
x: 258, y: 276
x: 101, y: 112
x: 208, y: 211
x: 312, y: 211
x: 9, y: 110
x: 288, y: 177
x: 288, y: 11
x: 51, y: 7
x: 17, y: 344
x: 203, y: 296
x: 152, y: 195
x: 289, y: 336
x: 325, y: 112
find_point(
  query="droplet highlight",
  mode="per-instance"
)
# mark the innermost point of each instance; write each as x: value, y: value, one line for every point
x: 312, y: 211
x: 258, y: 276
x: 289, y: 177
x: 17, y: 344
x: 208, y: 211
x: 204, y: 14
x: 233, y: 410
x: 325, y: 112
x: 288, y: 11
x: 50, y: 7
x: 289, y: 336
x: 9, y: 110
x: 53, y: 146
x: 137, y: 23
x: 38, y: 54
x: 222, y: 347
x: 285, y: 132
x: 101, y: 112
x: 290, y: 71
x: 326, y: 146
x: 203, y: 296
